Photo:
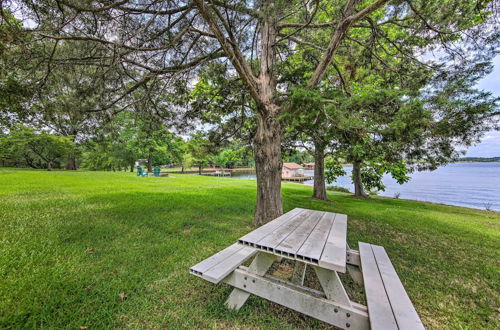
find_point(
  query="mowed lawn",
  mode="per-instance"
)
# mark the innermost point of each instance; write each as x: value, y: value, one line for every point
x: 103, y: 249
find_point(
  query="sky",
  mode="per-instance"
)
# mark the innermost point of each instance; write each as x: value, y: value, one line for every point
x: 490, y: 144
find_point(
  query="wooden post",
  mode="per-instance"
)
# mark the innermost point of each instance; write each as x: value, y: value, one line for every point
x: 299, y: 273
x: 259, y: 266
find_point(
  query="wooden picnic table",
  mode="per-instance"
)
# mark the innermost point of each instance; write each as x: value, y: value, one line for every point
x: 309, y: 236
x: 319, y: 240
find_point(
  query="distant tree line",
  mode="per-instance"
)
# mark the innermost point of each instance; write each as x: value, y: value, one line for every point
x: 117, y: 147
x: 479, y: 159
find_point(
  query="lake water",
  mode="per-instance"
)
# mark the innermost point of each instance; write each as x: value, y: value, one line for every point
x: 475, y: 185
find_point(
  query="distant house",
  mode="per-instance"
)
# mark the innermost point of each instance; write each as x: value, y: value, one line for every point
x: 309, y: 166
x: 292, y: 170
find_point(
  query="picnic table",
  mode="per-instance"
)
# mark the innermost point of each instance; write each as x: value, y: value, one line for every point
x: 319, y: 240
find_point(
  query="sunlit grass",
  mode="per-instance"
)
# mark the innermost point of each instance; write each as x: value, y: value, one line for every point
x: 103, y: 249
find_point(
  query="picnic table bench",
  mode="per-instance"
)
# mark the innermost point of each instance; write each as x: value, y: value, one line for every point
x: 317, y: 239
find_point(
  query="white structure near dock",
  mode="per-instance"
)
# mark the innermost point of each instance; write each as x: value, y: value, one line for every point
x: 291, y: 170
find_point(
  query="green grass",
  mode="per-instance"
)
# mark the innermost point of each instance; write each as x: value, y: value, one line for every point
x: 146, y: 232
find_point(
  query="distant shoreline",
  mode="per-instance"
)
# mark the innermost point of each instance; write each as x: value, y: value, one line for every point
x: 478, y: 160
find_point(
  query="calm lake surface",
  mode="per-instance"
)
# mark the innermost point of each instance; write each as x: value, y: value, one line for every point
x: 475, y: 185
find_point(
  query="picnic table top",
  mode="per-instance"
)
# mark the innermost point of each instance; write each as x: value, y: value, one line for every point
x: 313, y: 237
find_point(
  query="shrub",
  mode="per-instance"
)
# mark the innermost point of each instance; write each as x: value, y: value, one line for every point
x: 337, y: 188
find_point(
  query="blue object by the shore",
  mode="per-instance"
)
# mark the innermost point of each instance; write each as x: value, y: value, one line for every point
x: 156, y: 171
x: 140, y: 172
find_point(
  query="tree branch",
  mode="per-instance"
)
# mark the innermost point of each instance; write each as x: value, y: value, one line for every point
x: 300, y: 42
x: 231, y: 50
x: 339, y: 34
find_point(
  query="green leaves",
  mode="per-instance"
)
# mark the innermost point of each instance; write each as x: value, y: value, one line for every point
x: 333, y: 170
x: 35, y: 149
x: 226, y: 158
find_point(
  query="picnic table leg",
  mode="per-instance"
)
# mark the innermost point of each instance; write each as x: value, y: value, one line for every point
x: 299, y: 273
x: 353, y: 265
x: 237, y: 299
x: 332, y: 286
x: 259, y: 266
x: 355, y: 274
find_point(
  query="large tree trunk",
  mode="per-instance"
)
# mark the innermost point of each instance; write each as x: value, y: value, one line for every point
x: 71, y: 165
x: 132, y: 167
x: 319, y: 189
x: 267, y: 139
x: 262, y: 88
x: 150, y: 161
x: 268, y: 164
x: 356, y: 178
x: 49, y: 166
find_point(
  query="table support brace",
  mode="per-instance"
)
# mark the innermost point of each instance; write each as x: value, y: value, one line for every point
x: 299, y: 273
x: 326, y: 310
x: 332, y: 286
x: 259, y: 266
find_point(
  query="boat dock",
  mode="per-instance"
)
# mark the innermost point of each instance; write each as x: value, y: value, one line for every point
x: 296, y: 178
x: 208, y: 170
x: 216, y: 173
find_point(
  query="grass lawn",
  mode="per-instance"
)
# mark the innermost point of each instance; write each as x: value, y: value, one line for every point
x: 102, y: 249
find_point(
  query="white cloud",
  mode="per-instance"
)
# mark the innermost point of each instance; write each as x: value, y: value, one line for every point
x: 491, y: 82
x: 489, y: 146
x: 490, y: 143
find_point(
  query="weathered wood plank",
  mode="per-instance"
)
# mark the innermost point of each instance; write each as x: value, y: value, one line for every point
x: 208, y: 263
x: 353, y: 257
x: 310, y: 236
x: 292, y: 243
x: 335, y: 249
x: 218, y: 272
x: 402, y: 307
x: 379, y: 307
x: 271, y: 241
x: 355, y: 273
x: 269, y: 227
x: 314, y: 244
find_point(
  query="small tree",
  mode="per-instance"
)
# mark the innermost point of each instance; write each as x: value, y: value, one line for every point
x: 39, y: 150
x: 201, y: 149
x: 227, y: 158
x: 187, y: 161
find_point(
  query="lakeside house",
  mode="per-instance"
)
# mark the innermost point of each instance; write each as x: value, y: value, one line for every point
x: 309, y: 166
x: 292, y: 170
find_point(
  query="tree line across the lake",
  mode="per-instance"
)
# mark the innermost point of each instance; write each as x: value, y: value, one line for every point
x: 388, y: 86
x: 480, y: 159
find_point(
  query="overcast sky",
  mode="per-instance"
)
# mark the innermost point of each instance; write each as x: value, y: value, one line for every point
x: 490, y: 145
